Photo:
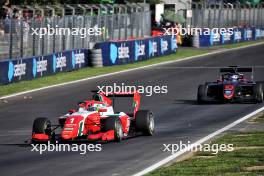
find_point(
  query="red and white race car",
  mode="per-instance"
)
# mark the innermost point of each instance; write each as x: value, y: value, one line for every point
x: 96, y: 120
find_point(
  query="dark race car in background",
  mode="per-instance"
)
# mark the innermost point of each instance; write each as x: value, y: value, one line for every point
x: 96, y: 120
x: 231, y: 87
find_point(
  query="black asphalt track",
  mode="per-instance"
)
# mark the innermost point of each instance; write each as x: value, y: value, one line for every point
x: 177, y: 117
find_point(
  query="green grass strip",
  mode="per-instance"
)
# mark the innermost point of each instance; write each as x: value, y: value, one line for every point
x: 246, y: 159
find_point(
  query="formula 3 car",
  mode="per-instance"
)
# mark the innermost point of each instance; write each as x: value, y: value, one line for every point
x: 231, y: 87
x: 96, y: 120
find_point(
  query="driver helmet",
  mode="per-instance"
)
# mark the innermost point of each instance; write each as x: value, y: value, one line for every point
x: 81, y: 109
x: 94, y: 107
x: 234, y: 78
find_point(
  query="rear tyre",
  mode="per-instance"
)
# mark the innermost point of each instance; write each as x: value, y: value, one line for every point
x: 202, y: 94
x: 114, y: 123
x: 42, y: 125
x: 258, y: 92
x: 145, y: 122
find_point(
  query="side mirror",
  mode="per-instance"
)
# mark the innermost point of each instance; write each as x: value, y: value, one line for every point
x: 71, y: 111
x: 102, y: 110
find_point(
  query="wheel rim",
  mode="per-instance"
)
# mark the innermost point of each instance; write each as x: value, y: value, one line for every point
x: 48, y: 128
x: 151, y: 124
x: 119, y: 130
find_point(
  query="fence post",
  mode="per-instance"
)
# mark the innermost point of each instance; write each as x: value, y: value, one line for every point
x: 11, y: 37
x: 249, y: 13
x: 43, y: 38
x: 262, y: 19
x: 54, y: 36
x: 238, y: 13
x: 220, y: 16
x: 203, y: 21
x: 258, y: 15
x: 244, y: 15
x: 21, y: 37
x: 84, y: 24
x: 227, y: 19
x: 118, y: 26
x: 73, y: 37
x: 214, y: 20
x: 113, y: 27
x: 34, y: 38
x: 63, y: 36
x: 209, y: 17
x: 126, y: 28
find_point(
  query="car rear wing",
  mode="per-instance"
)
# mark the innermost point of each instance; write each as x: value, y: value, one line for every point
x: 233, y: 69
x: 119, y: 94
x: 135, y: 95
x: 236, y: 69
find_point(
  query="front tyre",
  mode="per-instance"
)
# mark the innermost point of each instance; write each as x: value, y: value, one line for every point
x: 114, y: 123
x: 42, y: 125
x: 145, y: 122
x: 202, y: 94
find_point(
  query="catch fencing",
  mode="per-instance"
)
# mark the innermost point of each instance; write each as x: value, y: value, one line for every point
x: 227, y: 15
x: 18, y: 39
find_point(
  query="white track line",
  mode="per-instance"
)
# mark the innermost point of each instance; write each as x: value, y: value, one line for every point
x: 129, y: 70
x: 200, y: 141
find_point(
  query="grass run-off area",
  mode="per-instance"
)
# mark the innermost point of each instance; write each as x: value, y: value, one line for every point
x: 89, y: 72
x: 247, y: 158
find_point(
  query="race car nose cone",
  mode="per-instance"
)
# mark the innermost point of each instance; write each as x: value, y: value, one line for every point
x: 66, y: 135
x: 229, y: 91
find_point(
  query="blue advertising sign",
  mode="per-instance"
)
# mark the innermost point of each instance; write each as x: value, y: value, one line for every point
x: 215, y: 38
x: 29, y: 68
x: 123, y: 52
x: 16, y: 70
x: 41, y: 66
x: 258, y: 33
x: 238, y: 35
x: 226, y: 38
x: 248, y: 34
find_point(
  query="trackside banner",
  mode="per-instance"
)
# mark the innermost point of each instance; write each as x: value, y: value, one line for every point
x: 29, y: 68
x: 123, y: 52
x: 238, y: 35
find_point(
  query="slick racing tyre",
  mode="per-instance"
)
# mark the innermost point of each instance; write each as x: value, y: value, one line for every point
x: 202, y: 94
x: 114, y: 123
x: 145, y: 122
x: 42, y: 125
x: 258, y: 92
